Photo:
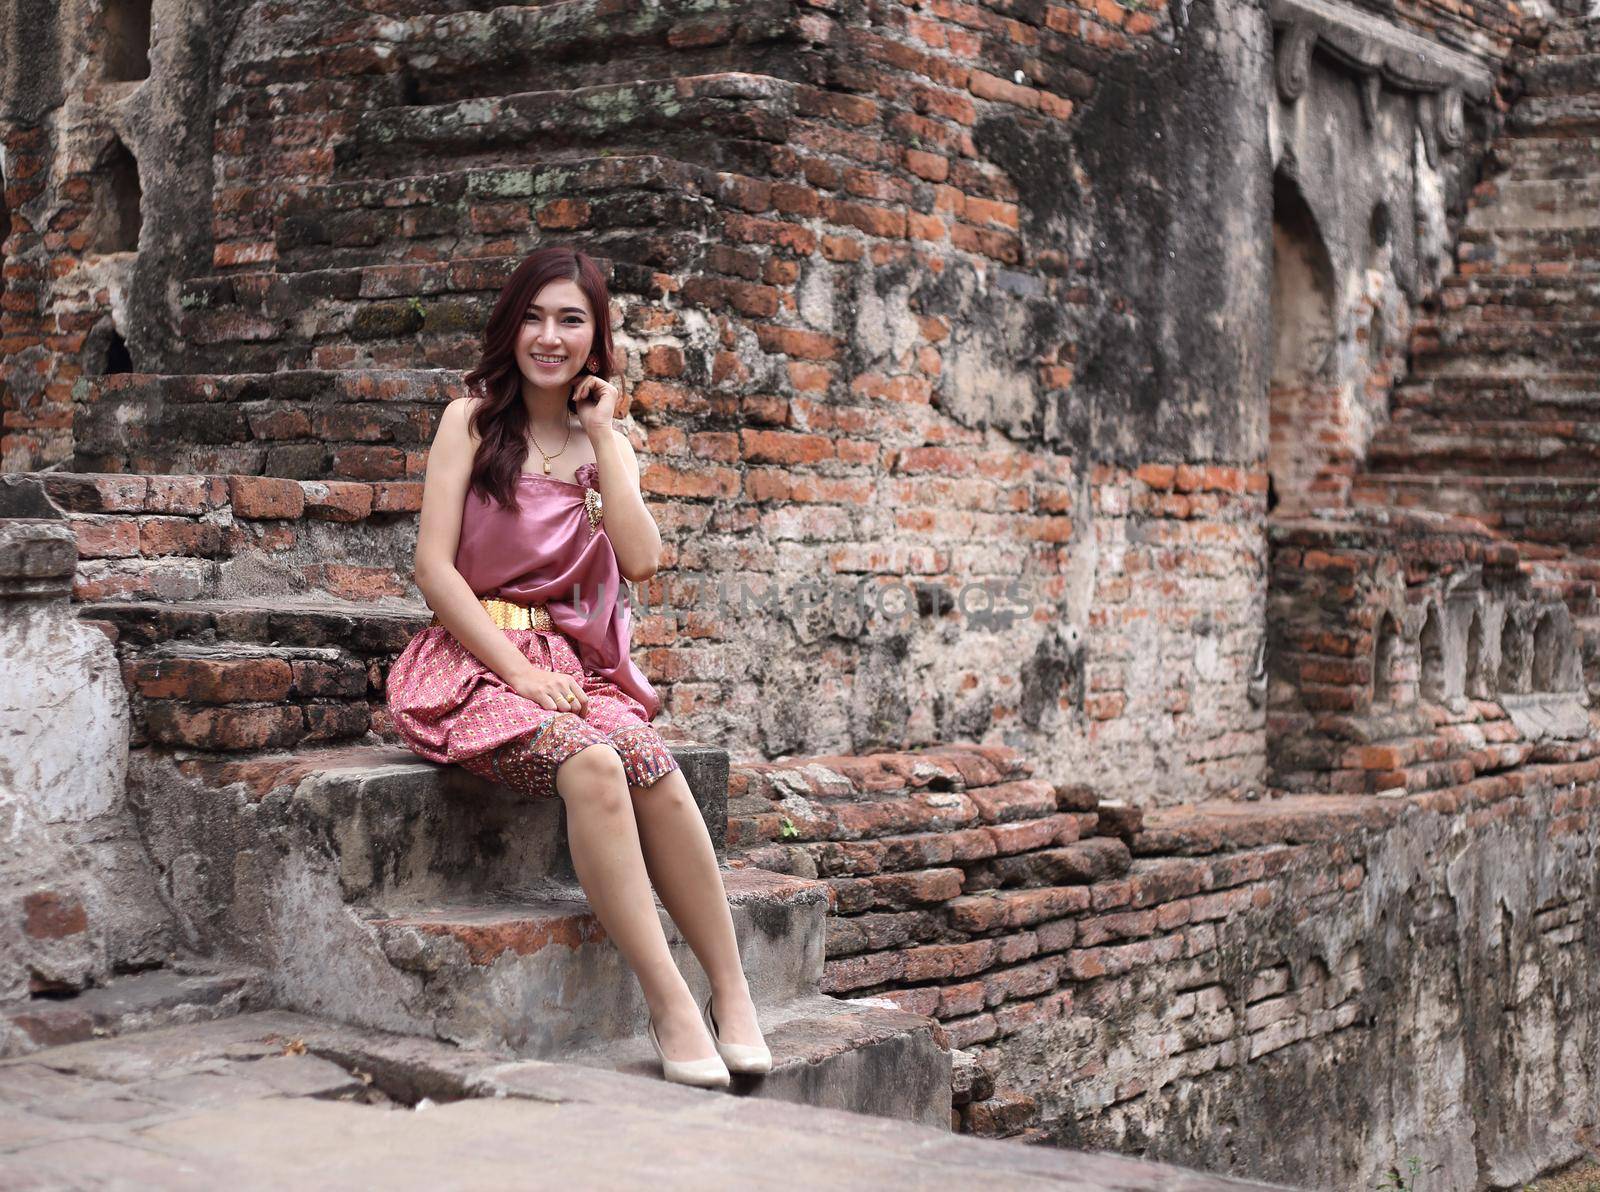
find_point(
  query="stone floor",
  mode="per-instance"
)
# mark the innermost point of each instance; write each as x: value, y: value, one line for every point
x: 275, y: 1100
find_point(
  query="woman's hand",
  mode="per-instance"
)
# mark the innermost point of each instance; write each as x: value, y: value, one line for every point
x: 551, y: 689
x: 595, y: 399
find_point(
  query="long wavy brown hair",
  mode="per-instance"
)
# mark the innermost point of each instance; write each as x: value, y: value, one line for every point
x: 501, y: 420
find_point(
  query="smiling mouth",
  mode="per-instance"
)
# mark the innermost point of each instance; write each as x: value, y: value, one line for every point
x: 548, y: 361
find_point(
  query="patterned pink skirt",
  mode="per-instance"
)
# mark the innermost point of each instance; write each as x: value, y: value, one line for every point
x: 449, y: 707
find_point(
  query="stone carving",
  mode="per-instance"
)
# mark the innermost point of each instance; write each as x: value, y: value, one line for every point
x: 1380, y: 54
x: 1294, y: 59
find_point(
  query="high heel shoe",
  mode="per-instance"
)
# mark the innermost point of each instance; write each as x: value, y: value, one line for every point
x: 740, y: 1057
x: 709, y: 1073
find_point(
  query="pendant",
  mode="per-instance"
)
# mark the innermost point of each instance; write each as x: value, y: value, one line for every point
x: 547, y: 467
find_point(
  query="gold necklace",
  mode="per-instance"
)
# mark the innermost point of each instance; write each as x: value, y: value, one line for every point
x: 548, y: 458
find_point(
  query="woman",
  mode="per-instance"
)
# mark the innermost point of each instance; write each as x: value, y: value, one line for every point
x: 524, y: 676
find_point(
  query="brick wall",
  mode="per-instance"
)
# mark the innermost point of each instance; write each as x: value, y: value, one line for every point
x: 919, y: 289
x: 1274, y: 988
x: 104, y: 169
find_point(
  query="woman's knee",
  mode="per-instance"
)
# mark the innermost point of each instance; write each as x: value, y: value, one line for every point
x: 595, y: 774
x: 670, y: 789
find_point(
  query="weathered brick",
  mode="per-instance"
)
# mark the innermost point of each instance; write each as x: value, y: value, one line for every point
x: 52, y: 915
x: 1014, y: 800
x: 1014, y: 908
x: 214, y: 681
x: 265, y: 497
x: 935, y: 962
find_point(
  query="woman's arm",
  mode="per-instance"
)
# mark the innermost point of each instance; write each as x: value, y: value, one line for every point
x: 632, y: 531
x: 444, y: 493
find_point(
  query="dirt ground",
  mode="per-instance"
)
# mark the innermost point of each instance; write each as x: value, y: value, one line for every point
x: 1585, y: 1177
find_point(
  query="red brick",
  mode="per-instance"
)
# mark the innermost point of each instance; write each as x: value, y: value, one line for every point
x: 1006, y: 1113
x: 966, y: 997
x: 337, y: 500
x: 859, y: 972
x: 935, y: 962
x: 51, y: 915
x: 1015, y: 908
x: 266, y: 497
x: 1014, y: 800
x: 106, y: 537
x: 225, y: 728
x: 212, y: 681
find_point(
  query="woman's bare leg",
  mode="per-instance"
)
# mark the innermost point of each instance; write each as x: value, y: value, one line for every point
x: 683, y: 865
x: 604, y: 841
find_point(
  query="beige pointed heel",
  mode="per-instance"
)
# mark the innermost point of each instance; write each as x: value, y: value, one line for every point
x: 709, y: 1073
x: 739, y: 1057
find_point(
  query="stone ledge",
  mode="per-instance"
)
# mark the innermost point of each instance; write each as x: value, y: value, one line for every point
x: 216, y: 1101
x: 1372, y: 46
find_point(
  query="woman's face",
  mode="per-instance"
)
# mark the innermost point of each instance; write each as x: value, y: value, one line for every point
x: 559, y: 326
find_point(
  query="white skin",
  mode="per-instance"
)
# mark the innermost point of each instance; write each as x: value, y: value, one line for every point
x: 622, y: 838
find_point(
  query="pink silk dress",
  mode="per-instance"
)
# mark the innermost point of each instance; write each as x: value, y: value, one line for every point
x: 448, y: 706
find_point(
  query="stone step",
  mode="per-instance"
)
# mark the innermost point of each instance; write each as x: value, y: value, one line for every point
x: 306, y: 424
x: 435, y: 52
x: 531, y: 972
x: 387, y: 891
x: 1544, y: 157
x: 588, y: 42
x: 643, y: 208
x: 1556, y: 114
x: 1576, y: 581
x: 857, y: 1055
x: 363, y: 628
x: 404, y: 830
x: 360, y: 317
x: 728, y: 120
x: 1440, y: 743
x: 1498, y: 398
x: 1556, y: 512
x: 186, y: 991
x: 345, y: 69
x: 1564, y: 448
x: 1567, y: 251
x: 1578, y: 576
x: 1511, y: 296
x: 1562, y: 495
x: 1458, y: 316
x: 1562, y: 73
x: 249, y: 675
x: 1453, y: 345
x: 1576, y: 38
x: 177, y: 538
x: 1522, y: 204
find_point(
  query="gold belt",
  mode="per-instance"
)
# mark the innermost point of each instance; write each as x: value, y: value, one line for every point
x: 507, y: 614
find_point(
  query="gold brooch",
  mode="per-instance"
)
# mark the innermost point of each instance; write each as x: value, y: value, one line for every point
x: 591, y: 504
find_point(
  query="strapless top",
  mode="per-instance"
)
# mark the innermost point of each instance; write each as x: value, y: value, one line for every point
x: 555, y: 552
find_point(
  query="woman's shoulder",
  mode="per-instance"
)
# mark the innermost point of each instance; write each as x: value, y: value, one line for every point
x: 464, y: 407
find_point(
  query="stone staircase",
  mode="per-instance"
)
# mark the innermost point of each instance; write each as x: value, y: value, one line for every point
x: 306, y: 425
x: 1500, y: 416
x: 291, y: 834
x: 404, y: 896
x: 245, y: 525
